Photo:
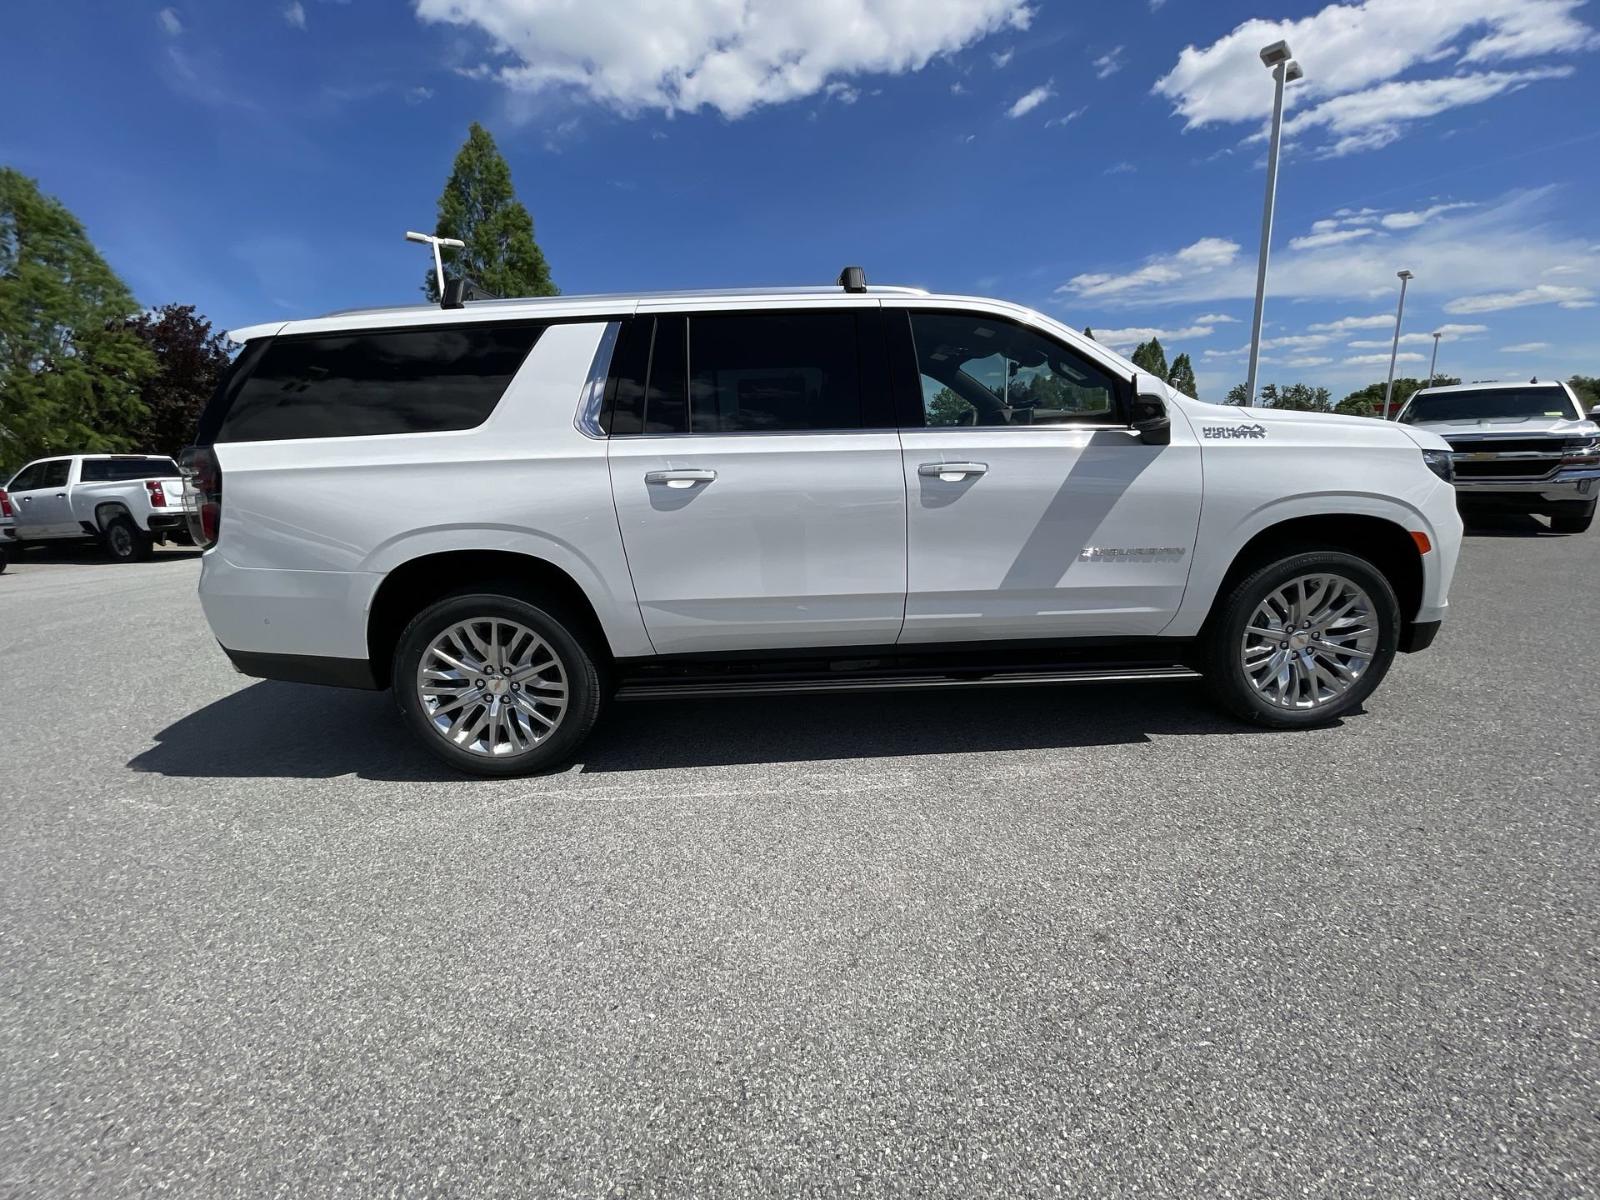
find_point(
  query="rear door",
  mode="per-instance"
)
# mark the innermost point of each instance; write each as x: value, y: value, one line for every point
x: 1033, y: 510
x: 757, y: 478
x: 39, y: 495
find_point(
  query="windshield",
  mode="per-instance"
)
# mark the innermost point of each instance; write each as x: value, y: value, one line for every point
x: 1491, y: 404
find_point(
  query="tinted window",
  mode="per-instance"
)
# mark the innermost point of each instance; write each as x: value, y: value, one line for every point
x: 774, y: 371
x: 26, y: 479
x: 104, y: 470
x: 1488, y: 404
x: 54, y: 473
x: 359, y: 384
x: 979, y: 370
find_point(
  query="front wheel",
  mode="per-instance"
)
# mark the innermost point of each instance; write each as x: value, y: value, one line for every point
x: 496, y: 686
x: 1303, y: 640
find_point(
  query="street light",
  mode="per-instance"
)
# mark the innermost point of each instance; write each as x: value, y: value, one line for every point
x: 438, y: 260
x: 1284, y: 70
x: 1394, y: 350
x: 1435, y: 362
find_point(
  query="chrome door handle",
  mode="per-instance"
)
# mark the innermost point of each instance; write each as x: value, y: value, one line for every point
x: 953, y: 472
x: 679, y: 479
x: 27, y: 499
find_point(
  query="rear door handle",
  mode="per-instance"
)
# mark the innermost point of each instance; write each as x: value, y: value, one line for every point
x: 952, y: 472
x: 679, y: 479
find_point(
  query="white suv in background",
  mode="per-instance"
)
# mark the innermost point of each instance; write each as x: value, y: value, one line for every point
x: 510, y: 512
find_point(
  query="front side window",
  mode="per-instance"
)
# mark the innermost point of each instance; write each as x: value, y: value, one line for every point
x: 753, y: 372
x: 975, y: 369
x: 419, y: 380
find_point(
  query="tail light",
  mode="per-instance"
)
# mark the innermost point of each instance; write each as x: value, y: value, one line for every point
x: 204, y: 473
x: 5, y: 505
x: 158, y: 494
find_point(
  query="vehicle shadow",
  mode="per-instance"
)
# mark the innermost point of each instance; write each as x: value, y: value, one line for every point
x: 285, y: 730
x: 89, y: 554
x: 1506, y: 525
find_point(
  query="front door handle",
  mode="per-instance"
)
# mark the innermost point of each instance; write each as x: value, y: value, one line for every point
x: 953, y: 472
x: 679, y: 479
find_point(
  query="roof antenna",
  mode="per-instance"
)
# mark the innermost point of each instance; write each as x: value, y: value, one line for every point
x: 438, y: 261
x: 853, y: 279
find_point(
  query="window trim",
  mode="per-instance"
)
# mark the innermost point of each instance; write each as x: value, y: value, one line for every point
x: 907, y: 374
x: 874, y: 376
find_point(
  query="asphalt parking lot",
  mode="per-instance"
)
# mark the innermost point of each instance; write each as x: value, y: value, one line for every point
x: 1084, y: 941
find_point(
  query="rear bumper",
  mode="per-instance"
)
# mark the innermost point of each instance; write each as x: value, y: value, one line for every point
x: 305, y: 668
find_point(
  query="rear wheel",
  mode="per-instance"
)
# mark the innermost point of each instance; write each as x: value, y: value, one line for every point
x: 1303, y: 640
x: 125, y: 541
x: 1574, y: 518
x: 496, y: 686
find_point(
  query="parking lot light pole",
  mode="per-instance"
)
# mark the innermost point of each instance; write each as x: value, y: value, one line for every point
x: 1432, y: 365
x: 1284, y: 70
x: 1394, y: 350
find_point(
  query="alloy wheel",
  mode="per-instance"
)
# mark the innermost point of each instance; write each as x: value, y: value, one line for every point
x: 492, y: 687
x: 1309, y: 641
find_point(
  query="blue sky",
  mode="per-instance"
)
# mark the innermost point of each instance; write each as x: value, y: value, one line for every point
x: 1101, y: 162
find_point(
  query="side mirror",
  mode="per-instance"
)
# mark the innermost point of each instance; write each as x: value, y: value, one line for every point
x: 1594, y: 413
x: 1148, y: 414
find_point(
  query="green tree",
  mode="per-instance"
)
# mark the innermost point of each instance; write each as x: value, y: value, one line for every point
x: 1300, y: 397
x: 1370, y: 398
x: 190, y: 358
x: 480, y: 207
x: 70, y: 370
x: 1238, y: 394
x: 1151, y: 357
x: 1588, y: 389
x: 1182, y: 376
x: 947, y: 408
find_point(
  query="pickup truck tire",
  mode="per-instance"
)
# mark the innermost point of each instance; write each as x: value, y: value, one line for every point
x: 125, y: 541
x: 495, y: 685
x: 1575, y: 518
x: 1301, y: 640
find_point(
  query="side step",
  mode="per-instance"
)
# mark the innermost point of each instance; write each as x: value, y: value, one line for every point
x: 683, y: 689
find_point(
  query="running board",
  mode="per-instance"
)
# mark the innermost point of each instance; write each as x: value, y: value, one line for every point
x: 686, y: 690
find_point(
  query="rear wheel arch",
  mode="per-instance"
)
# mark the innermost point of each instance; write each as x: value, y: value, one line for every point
x: 108, y: 511
x: 418, y: 582
x: 1387, y: 545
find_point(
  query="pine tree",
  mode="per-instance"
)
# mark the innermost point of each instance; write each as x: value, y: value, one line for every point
x: 70, y: 371
x: 1151, y: 357
x: 480, y: 207
x: 1182, y: 376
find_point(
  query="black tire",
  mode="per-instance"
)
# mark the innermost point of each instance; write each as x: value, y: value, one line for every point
x: 4, y: 561
x: 124, y: 541
x: 1224, y: 636
x: 566, y: 639
x: 1574, y: 518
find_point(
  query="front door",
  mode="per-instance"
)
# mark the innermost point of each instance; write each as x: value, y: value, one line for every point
x: 757, y: 480
x: 39, y: 497
x: 1034, y: 512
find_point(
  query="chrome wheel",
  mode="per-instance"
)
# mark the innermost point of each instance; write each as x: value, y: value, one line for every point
x: 492, y: 687
x: 1310, y: 641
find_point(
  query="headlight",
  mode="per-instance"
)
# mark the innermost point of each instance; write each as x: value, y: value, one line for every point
x: 1441, y: 463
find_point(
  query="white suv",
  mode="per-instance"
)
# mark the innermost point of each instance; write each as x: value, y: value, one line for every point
x: 513, y: 511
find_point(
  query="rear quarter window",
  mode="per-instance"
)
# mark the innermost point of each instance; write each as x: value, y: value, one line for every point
x: 362, y: 383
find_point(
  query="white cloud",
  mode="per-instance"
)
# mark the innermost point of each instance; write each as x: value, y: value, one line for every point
x: 1346, y: 324
x: 1216, y: 319
x: 1002, y: 59
x: 1352, y: 53
x: 1069, y: 117
x: 171, y: 24
x: 1377, y: 360
x: 1544, y: 293
x: 1410, y: 220
x: 1197, y: 258
x: 957, y: 88
x: 729, y: 55
x: 1031, y: 101
x: 295, y: 14
x: 842, y: 92
x: 1327, y: 237
x: 1448, y: 333
x: 1525, y: 348
x: 1307, y: 360
x: 1120, y: 168
x: 1118, y: 339
x: 1109, y: 63
x: 418, y: 95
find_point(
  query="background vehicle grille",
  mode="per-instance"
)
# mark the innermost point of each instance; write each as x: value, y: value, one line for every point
x: 1544, y: 445
x: 1508, y: 468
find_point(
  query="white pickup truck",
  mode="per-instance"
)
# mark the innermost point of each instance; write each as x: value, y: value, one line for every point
x: 127, y: 502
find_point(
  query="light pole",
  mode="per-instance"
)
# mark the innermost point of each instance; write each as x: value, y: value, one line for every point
x: 1284, y: 70
x: 1394, y: 350
x: 1435, y: 361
